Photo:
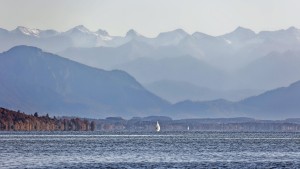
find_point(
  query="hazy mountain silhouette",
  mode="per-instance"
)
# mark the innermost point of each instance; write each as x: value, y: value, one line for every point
x: 176, y: 91
x: 241, y: 60
x: 279, y: 103
x: 32, y: 80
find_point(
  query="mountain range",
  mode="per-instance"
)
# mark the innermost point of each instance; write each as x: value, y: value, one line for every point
x: 234, y: 49
x: 33, y: 80
x: 274, y: 104
x: 201, y: 67
x: 233, y: 66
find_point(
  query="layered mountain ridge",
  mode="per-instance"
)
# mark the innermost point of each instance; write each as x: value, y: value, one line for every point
x: 32, y: 80
x: 232, y: 66
x: 274, y: 104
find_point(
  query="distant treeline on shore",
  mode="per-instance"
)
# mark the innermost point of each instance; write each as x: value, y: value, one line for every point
x: 17, y: 121
x: 203, y: 124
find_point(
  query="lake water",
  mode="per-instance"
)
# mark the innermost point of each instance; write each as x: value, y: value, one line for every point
x: 149, y: 150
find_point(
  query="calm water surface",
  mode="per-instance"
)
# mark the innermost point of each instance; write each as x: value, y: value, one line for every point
x: 149, y: 150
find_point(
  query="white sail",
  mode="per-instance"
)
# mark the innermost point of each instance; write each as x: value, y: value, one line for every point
x: 157, y: 127
x: 188, y: 128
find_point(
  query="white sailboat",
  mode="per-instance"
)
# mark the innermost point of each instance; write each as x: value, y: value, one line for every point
x: 188, y: 128
x: 157, y: 127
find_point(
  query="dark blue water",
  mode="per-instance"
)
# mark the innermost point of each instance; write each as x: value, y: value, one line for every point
x: 149, y: 150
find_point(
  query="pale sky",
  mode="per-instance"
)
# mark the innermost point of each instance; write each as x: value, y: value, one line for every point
x: 149, y: 17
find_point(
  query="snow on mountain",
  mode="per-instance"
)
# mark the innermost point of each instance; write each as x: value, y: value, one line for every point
x: 34, y: 33
x: 103, y: 38
x: 233, y: 43
x: 27, y: 31
x: 83, y: 37
x: 239, y: 35
x: 247, y: 60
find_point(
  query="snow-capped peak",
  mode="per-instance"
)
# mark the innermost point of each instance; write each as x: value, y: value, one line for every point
x: 27, y: 31
x: 103, y: 35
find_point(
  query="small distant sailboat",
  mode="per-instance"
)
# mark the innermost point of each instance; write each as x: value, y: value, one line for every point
x: 157, y: 127
x: 188, y: 128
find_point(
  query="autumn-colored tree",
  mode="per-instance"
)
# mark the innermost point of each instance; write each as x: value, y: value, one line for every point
x: 12, y: 120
